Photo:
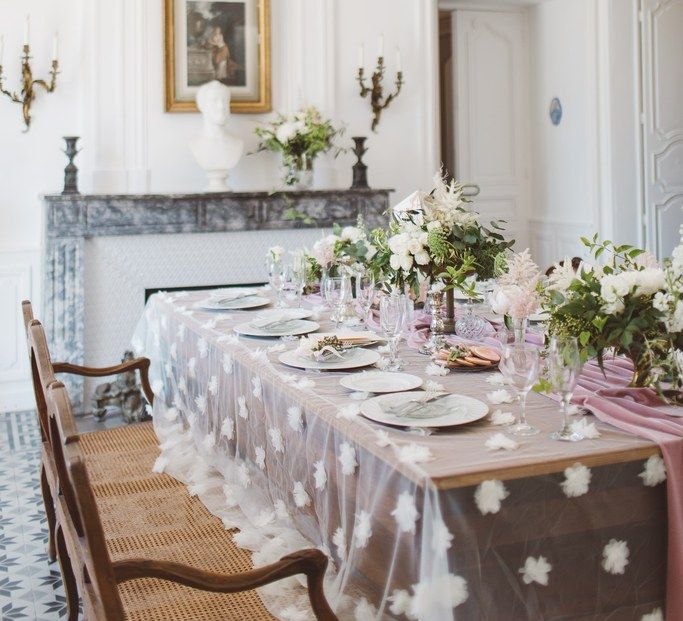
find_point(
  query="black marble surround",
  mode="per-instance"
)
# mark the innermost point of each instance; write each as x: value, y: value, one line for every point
x: 71, y: 219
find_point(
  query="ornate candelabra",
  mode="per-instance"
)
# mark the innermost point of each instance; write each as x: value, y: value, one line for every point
x: 377, y: 99
x: 28, y: 92
x: 360, y: 169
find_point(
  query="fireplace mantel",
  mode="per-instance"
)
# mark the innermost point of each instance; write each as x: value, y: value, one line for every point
x: 73, y: 221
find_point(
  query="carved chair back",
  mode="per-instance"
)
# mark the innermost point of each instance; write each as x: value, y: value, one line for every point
x: 84, y: 535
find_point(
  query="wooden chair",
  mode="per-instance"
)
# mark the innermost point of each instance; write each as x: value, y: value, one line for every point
x: 42, y: 376
x: 130, y: 588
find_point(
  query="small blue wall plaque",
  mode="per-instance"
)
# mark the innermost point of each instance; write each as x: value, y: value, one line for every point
x: 555, y: 111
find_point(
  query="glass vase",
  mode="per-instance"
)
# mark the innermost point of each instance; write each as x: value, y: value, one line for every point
x: 436, y: 340
x: 642, y: 368
x: 297, y: 171
x: 519, y: 327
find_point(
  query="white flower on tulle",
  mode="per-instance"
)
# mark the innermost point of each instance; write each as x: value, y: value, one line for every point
x: 339, y: 541
x: 499, y: 396
x: 242, y: 411
x: 157, y: 387
x: 212, y: 386
x: 275, y: 436
x: 655, y: 615
x: 174, y: 351
x: 281, y: 510
x: 177, y: 401
x: 499, y: 441
x: 498, y: 379
x: 489, y: 495
x: 301, y: 498
x: 231, y: 499
x: 319, y: 474
x: 260, y: 457
x: 400, y: 602
x: 363, y: 529
x: 413, y: 453
x: 436, y: 369
x: 182, y: 385
x: 347, y: 458
x: 210, y: 324
x: 168, y: 369
x: 432, y: 598
x: 294, y: 418
x: 441, y: 538
x: 405, y: 512
x: 231, y: 339
x: 576, y: 480
x: 201, y: 403
x: 292, y: 613
x: 264, y: 518
x: 259, y: 354
x: 502, y: 418
x: 160, y: 464
x: 536, y: 570
x: 227, y: 363
x: 257, y: 390
x: 349, y: 411
x: 180, y: 334
x: 288, y: 378
x: 382, y: 438
x: 359, y: 396
x: 273, y: 349
x: 228, y: 428
x: 364, y: 611
x: 432, y: 386
x: 615, y: 557
x: 202, y: 347
x: 584, y: 428
x: 654, y: 472
x: 192, y: 367
x: 243, y: 476
x: 208, y: 442
x: 171, y: 414
x: 305, y: 383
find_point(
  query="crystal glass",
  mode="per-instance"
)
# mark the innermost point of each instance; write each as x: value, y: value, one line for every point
x: 436, y: 340
x: 276, y: 280
x: 333, y: 294
x: 564, y: 368
x: 294, y: 276
x: 366, y: 290
x: 393, y: 311
x: 471, y: 326
x: 519, y: 363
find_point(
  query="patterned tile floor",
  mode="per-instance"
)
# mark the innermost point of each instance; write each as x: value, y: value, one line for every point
x: 30, y: 587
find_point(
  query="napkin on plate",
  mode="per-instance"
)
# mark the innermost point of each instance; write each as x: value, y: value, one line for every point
x: 229, y: 295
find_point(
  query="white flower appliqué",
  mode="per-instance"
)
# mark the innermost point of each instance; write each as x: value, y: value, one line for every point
x: 413, y: 453
x: 202, y: 347
x: 437, y: 370
x: 243, y: 476
x: 363, y: 530
x: 347, y: 458
x: 536, y: 570
x: 654, y: 472
x: 192, y: 367
x: 655, y: 615
x: 441, y: 538
x: 227, y: 363
x: 242, y: 410
x: 405, y: 512
x: 212, y: 386
x: 400, y: 602
x: 499, y: 441
x: 319, y: 475
x: 615, y: 557
x: 257, y: 389
x: 434, y: 599
x: 275, y: 436
x: 305, y: 383
x: 301, y: 498
x: 339, y: 541
x: 498, y: 417
x: 294, y: 419
x: 260, y: 457
x: 576, y: 480
x: 364, y: 611
x: 228, y: 428
x: 174, y: 351
x: 201, y: 403
x: 349, y: 411
x: 157, y: 387
x: 584, y: 428
x: 499, y: 396
x: 489, y: 495
x: 382, y: 438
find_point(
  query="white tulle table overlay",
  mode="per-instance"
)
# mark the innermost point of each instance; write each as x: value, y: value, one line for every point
x: 416, y: 526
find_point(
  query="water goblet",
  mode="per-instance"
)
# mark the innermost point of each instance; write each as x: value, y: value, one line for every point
x: 519, y: 364
x: 365, y: 294
x: 564, y: 367
x: 333, y: 296
x: 293, y: 282
x: 276, y: 280
x: 393, y: 312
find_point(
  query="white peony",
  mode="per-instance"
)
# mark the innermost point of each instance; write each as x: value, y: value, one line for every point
x: 351, y: 234
x: 422, y: 258
x: 500, y: 304
x: 286, y: 132
x: 649, y: 281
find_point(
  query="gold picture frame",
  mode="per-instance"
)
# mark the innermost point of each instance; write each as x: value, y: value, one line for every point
x: 180, y: 98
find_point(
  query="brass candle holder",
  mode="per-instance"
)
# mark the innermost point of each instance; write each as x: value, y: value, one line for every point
x: 376, y: 92
x: 28, y: 90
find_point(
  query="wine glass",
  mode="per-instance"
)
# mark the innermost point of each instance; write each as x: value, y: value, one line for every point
x: 519, y: 363
x: 333, y: 295
x: 564, y: 368
x: 301, y: 272
x: 392, y: 316
x: 365, y: 294
x: 276, y: 280
x: 293, y: 282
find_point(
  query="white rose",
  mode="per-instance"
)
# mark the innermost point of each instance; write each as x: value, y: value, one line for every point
x: 414, y: 246
x: 351, y: 234
x: 649, y: 281
x: 398, y: 244
x: 371, y: 252
x: 614, y: 308
x: 432, y: 226
x: 500, y: 304
x: 422, y: 258
x: 661, y: 301
x: 285, y: 132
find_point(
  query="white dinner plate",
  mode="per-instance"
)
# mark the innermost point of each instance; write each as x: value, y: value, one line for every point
x: 457, y: 410
x: 381, y: 381
x: 296, y: 327
x: 353, y: 359
x: 245, y: 303
x: 289, y: 313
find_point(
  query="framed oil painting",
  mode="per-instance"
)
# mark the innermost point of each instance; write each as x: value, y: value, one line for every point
x: 226, y: 41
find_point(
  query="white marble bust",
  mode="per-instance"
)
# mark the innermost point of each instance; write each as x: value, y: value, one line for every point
x: 214, y: 149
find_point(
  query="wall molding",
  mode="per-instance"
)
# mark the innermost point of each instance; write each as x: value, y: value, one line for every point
x: 552, y: 240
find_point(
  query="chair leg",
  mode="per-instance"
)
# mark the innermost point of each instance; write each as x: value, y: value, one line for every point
x: 50, y: 513
x: 68, y: 577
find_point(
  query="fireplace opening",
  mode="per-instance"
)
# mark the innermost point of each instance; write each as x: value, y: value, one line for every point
x: 149, y: 292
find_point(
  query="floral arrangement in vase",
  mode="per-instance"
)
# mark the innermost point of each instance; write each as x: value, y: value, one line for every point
x: 629, y: 306
x: 300, y: 139
x: 434, y: 236
x: 348, y: 246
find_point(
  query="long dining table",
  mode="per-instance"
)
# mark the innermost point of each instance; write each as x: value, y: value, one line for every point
x: 418, y: 525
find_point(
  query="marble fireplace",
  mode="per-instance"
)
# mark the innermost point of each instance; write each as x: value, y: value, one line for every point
x: 104, y: 252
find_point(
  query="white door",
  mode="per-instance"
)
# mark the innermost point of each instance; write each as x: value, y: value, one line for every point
x: 662, y: 68
x: 491, y: 139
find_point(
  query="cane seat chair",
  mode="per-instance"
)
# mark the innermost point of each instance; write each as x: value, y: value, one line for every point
x: 143, y: 586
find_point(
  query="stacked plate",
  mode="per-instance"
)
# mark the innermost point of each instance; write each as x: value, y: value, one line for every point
x: 233, y: 299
